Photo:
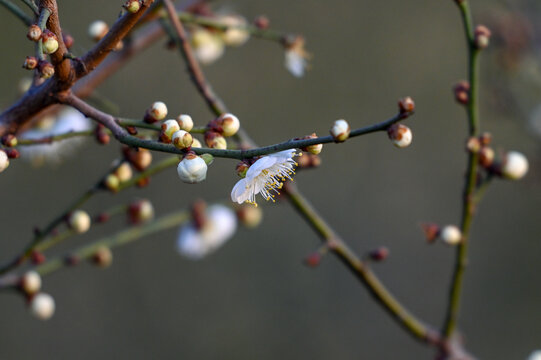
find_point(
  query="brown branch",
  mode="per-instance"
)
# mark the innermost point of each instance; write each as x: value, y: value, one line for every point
x: 63, y: 67
x: 193, y: 66
x: 118, y: 31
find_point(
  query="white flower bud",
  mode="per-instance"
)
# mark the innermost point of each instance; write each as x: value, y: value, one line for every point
x: 196, y: 143
x: 192, y: 169
x: 103, y: 257
x: 451, y: 235
x: 31, y: 282
x: 230, y: 124
x: 140, y: 211
x: 112, y: 182
x: 97, y: 30
x: 158, y: 110
x: 234, y: 35
x: 340, y: 130
x: 185, y: 122
x: 515, y: 165
x: 42, y: 306
x: 50, y: 44
x: 182, y: 139
x: 400, y: 135
x: 124, y: 172
x: 4, y: 160
x: 79, y: 221
x: 169, y: 127
x: 132, y: 6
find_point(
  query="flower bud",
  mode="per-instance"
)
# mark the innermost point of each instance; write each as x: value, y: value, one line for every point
x: 50, y: 42
x: 250, y: 216
x: 514, y: 166
x: 31, y: 282
x: 462, y: 92
x: 169, y: 127
x: 481, y: 37
x: 192, y: 169
x: 97, y: 30
x: 215, y: 141
x: 132, y: 6
x: 313, y: 260
x: 406, y: 105
x: 485, y: 138
x: 79, y: 221
x: 68, y: 40
x: 262, y: 22
x: 229, y: 123
x: 42, y: 306
x: 12, y: 153
x: 400, y: 135
x: 185, y: 122
x: 30, y: 63
x: 157, y: 112
x: 4, y: 161
x: 451, y: 235
x: 111, y: 182
x: 140, y: 211
x: 102, y: 257
x: 340, y: 130
x: 313, y: 149
x: 9, y: 140
x: 182, y: 139
x: 196, y: 143
x: 140, y: 158
x: 124, y: 172
x: 473, y: 145
x: 37, y: 258
x: 486, y: 156
x: 431, y: 231
x: 207, y: 46
x: 234, y: 34
x: 242, y: 168
x: 46, y: 69
x: 101, y: 135
x: 379, y: 254
x: 34, y: 33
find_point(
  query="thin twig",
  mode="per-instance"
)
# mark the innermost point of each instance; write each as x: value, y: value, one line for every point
x: 468, y: 205
x: 17, y: 11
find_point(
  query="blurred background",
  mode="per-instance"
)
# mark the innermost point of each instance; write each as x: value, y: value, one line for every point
x: 253, y: 299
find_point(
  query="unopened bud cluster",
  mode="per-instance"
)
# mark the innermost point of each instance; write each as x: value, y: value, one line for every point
x: 449, y: 234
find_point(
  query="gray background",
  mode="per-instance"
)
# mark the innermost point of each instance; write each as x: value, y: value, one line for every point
x: 253, y: 299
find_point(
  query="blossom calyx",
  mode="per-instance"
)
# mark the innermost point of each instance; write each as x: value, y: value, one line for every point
x: 192, y: 169
x: 340, y: 130
x: 400, y: 135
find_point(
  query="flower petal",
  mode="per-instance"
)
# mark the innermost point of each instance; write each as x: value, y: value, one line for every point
x: 260, y: 165
x: 240, y: 192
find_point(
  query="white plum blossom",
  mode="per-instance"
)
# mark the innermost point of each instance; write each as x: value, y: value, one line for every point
x: 265, y: 177
x: 296, y: 57
x: 536, y: 355
x: 220, y: 225
x: 67, y: 120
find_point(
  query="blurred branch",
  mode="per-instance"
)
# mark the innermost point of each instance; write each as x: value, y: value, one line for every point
x: 180, y: 37
x: 18, y: 12
x: 119, y: 239
x: 32, y: 5
x: 360, y: 269
x: 51, y: 139
x: 468, y: 203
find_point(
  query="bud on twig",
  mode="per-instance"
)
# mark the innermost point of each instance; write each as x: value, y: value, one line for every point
x: 97, y: 30
x: 34, y: 33
x: 50, y: 42
x: 462, y: 92
x: 400, y: 135
x: 103, y: 257
x: 406, y: 105
x: 340, y: 130
x: 157, y: 112
x: 481, y: 37
x: 132, y: 6
x: 46, y: 69
x: 379, y: 254
x: 30, y: 63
